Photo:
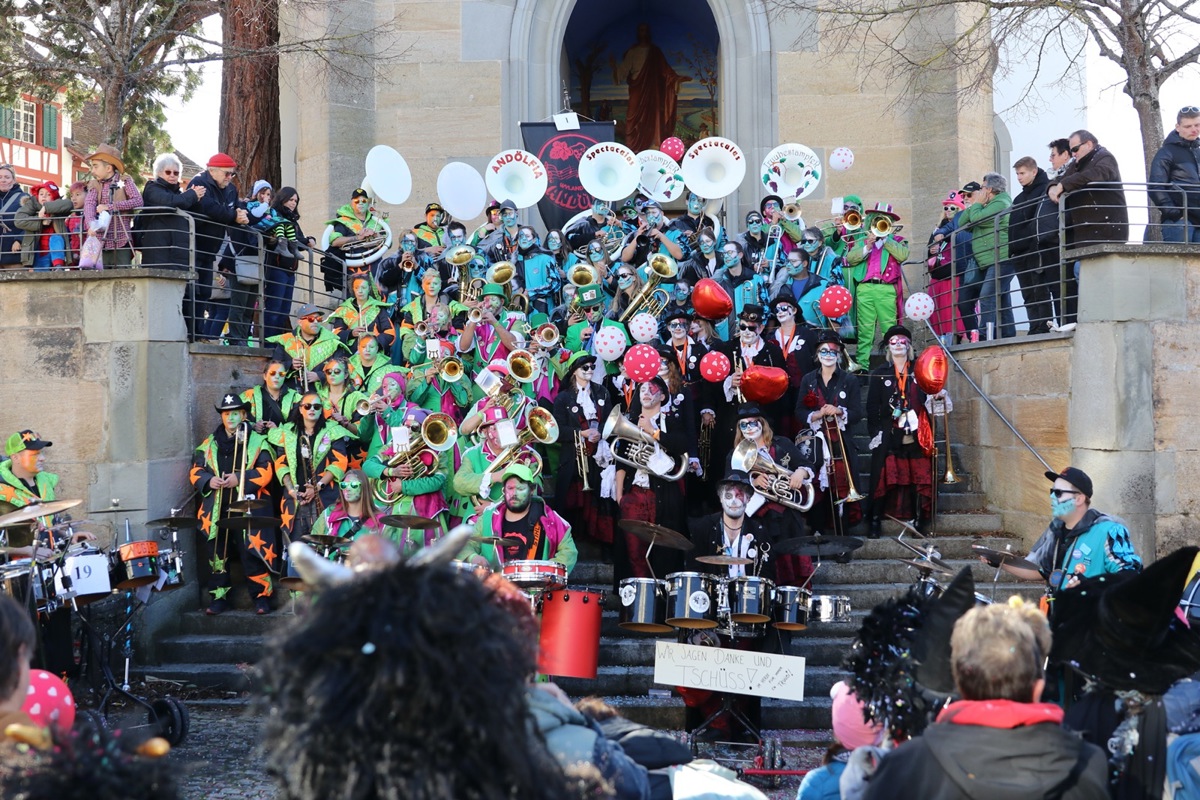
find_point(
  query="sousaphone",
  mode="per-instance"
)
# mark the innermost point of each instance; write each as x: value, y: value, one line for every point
x: 516, y: 175
x: 791, y: 171
x: 660, y: 178
x: 461, y: 190
x: 609, y: 171
x: 714, y: 167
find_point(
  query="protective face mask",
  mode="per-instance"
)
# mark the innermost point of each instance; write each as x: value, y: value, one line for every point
x: 1062, y: 508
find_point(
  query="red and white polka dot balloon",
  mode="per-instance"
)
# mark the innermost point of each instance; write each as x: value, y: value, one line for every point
x: 643, y: 327
x: 841, y: 159
x: 715, y: 366
x: 49, y: 701
x: 642, y: 362
x: 673, y: 146
x: 918, y: 306
x: 835, y: 301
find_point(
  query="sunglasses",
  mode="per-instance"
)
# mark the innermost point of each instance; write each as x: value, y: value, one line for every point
x: 170, y: 172
x: 810, y: 241
x: 679, y: 325
x: 749, y: 423
x: 1189, y: 110
x: 350, y: 485
x: 310, y: 406
x: 744, y: 327
x: 624, y: 275
x: 1058, y: 493
x: 587, y: 369
x: 825, y: 351
x: 1075, y: 149
x: 333, y: 372
x: 311, y: 318
x: 276, y: 374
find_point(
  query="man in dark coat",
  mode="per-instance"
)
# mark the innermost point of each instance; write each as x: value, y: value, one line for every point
x: 998, y: 742
x: 1096, y: 210
x: 1175, y: 179
x: 1029, y: 259
x: 218, y: 209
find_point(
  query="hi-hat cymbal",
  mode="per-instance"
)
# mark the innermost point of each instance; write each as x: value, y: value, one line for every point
x: 175, y: 523
x: 924, y: 551
x: 249, y: 504
x: 655, y: 534
x: 930, y: 565
x: 408, y: 521
x: 724, y: 560
x: 320, y: 539
x: 995, y: 557
x: 252, y: 523
x: 818, y: 546
x: 32, y: 512
x: 496, y: 541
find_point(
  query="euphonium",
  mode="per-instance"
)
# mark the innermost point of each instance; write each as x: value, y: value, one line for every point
x: 661, y: 268
x: 547, y: 336
x: 540, y: 426
x: 437, y: 435
x: 641, y: 446
x: 519, y: 303
x: 747, y: 458
x: 583, y: 275
x: 522, y: 366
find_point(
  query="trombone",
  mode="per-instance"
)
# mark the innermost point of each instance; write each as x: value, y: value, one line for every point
x: 949, y: 477
x: 852, y: 496
x: 774, y: 236
x: 244, y: 502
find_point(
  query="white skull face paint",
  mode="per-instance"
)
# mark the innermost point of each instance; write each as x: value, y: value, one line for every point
x: 898, y: 346
x: 733, y: 500
x: 649, y: 395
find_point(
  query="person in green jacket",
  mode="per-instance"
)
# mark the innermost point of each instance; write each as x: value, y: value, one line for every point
x: 987, y: 220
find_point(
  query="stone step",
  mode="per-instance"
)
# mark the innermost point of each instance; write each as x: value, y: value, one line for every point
x: 956, y: 546
x: 888, y: 570
x: 212, y: 649
x: 227, y: 677
x: 866, y: 596
x: 815, y: 713
x: 969, y: 522
x: 233, y: 623
x: 964, y: 500
x: 638, y: 680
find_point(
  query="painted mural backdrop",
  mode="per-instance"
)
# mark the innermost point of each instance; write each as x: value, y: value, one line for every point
x: 649, y: 66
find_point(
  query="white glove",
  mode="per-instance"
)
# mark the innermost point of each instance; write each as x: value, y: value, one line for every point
x: 878, y: 440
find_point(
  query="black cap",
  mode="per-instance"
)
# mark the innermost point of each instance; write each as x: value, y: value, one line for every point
x: 651, y: 204
x: 1076, y: 477
x: 752, y: 214
x: 433, y: 207
x: 508, y: 204
x: 493, y: 206
x: 24, y: 440
x: 746, y: 410
x: 359, y: 192
x: 972, y: 186
x: 737, y: 476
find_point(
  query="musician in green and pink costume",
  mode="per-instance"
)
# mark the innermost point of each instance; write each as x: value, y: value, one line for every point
x: 420, y: 495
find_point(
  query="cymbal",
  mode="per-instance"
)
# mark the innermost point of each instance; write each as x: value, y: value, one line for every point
x: 931, y: 565
x: 249, y: 504
x: 1013, y: 559
x: 819, y: 546
x: 655, y: 534
x: 175, y: 523
x: 32, y: 512
x: 497, y: 541
x: 320, y: 539
x: 253, y: 523
x: 408, y: 521
x: 724, y: 560
x: 923, y: 552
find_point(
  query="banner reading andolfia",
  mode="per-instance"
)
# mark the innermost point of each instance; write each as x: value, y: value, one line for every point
x: 560, y: 152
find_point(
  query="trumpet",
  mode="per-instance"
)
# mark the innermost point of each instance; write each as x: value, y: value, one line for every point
x: 705, y: 448
x: 540, y: 427
x: 747, y: 458
x: 581, y: 460
x: 422, y: 330
x: 522, y: 366
x: 546, y: 337
x: 661, y: 268
x: 438, y: 434
x: 642, y: 446
x: 363, y: 407
x: 475, y: 315
x: 407, y: 262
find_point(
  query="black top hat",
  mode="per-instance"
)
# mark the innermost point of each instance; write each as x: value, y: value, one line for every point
x: 896, y: 330
x: 736, y: 476
x: 751, y: 312
x: 678, y: 312
x: 785, y: 296
x: 762, y: 204
x: 231, y: 402
x: 746, y: 410
x: 826, y: 336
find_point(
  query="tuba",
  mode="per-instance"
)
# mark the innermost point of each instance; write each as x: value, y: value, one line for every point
x: 437, y: 435
x: 661, y: 268
x: 641, y: 446
x: 547, y: 336
x: 747, y: 458
x: 540, y: 427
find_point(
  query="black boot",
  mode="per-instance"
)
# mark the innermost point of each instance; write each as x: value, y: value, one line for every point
x: 923, y: 524
x: 876, y: 528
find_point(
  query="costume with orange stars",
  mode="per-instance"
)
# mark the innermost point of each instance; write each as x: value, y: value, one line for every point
x: 258, y: 550
x: 328, y: 459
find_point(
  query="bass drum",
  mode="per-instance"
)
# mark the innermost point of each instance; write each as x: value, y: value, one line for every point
x: 569, y: 641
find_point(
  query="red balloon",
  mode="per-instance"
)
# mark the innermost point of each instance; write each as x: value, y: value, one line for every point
x: 835, y: 301
x: 714, y: 366
x: 764, y: 384
x: 931, y: 369
x: 711, y: 301
x: 49, y: 701
x: 642, y: 362
x: 673, y: 146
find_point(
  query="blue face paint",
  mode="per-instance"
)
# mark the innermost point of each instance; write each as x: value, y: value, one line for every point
x: 525, y: 240
x: 729, y: 259
x: 596, y: 255
x: 1062, y: 508
x: 695, y: 204
x: 707, y: 247
x: 408, y: 245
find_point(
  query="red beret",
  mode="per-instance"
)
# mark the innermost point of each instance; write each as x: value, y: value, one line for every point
x: 222, y: 161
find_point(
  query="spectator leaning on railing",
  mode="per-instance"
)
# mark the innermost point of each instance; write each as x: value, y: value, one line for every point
x: 1175, y: 179
x: 11, y: 196
x: 115, y: 192
x: 218, y: 209
x: 164, y: 237
x: 987, y: 221
x: 1029, y: 260
x: 1096, y: 210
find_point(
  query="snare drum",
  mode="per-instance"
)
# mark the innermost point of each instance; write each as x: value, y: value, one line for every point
x: 727, y: 626
x: 170, y: 565
x: 87, y: 568
x: 750, y: 599
x: 134, y: 564
x: 19, y: 579
x: 829, y: 608
x: 470, y: 569
x: 791, y: 608
x: 692, y: 600
x: 644, y: 605
x: 535, y: 574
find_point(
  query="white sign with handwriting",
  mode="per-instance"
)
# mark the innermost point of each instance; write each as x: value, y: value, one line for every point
x: 732, y: 671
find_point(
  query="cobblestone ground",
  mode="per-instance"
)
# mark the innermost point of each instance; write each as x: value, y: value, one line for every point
x: 218, y: 761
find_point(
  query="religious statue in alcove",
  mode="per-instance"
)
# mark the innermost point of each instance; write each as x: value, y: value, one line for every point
x: 653, y: 92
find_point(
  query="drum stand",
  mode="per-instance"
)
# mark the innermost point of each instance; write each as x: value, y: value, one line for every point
x: 166, y: 717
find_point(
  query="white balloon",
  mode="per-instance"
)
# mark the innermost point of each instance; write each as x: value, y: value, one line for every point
x: 389, y: 174
x: 841, y: 159
x: 461, y: 190
x: 918, y: 306
x: 609, y: 343
x: 643, y: 327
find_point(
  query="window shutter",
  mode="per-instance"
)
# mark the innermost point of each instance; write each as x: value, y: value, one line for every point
x: 6, y: 122
x: 50, y: 127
